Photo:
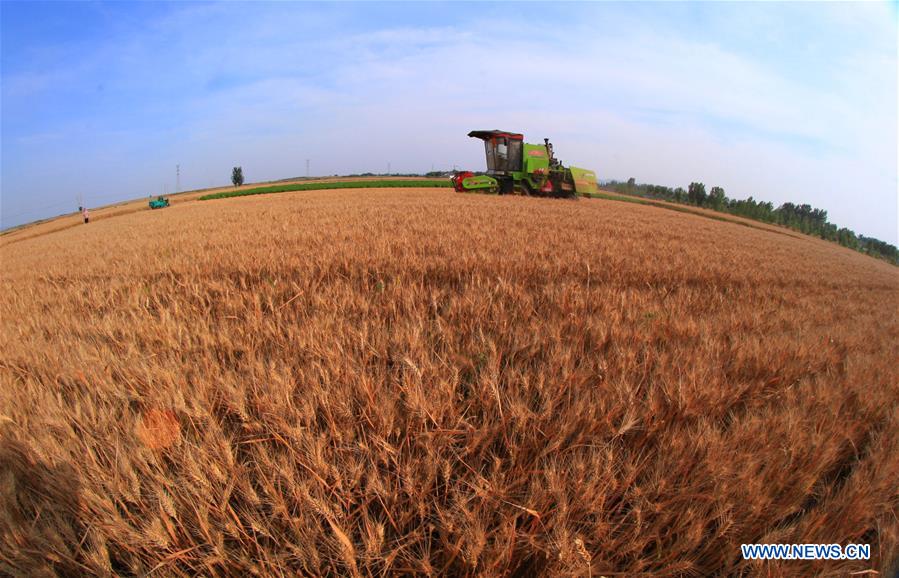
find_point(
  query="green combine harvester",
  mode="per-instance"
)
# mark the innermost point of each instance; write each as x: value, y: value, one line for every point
x: 517, y: 167
x: 159, y: 202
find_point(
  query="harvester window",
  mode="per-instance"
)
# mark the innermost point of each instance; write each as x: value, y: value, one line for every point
x: 502, y: 154
x: 491, y: 156
x: 514, y: 163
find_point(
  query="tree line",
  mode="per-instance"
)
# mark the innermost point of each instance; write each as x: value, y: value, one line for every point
x: 804, y: 217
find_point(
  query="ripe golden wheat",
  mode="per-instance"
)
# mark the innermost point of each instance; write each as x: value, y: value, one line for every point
x: 421, y: 382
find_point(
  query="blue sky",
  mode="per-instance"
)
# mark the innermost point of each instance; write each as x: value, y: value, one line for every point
x: 782, y: 101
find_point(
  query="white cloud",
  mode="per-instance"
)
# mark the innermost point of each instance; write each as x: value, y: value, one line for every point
x: 775, y: 104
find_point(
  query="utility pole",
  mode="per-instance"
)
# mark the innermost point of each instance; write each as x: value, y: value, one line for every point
x: 307, y: 168
x: 388, y: 167
x: 177, y: 178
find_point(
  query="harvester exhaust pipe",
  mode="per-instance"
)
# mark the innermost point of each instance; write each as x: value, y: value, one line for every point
x: 549, y: 152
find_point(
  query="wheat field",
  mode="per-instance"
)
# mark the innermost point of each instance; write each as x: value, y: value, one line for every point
x: 418, y: 382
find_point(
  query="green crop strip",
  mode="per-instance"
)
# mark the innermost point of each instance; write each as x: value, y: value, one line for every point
x: 329, y: 185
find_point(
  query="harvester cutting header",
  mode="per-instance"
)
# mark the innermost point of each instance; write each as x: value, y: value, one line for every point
x: 514, y: 166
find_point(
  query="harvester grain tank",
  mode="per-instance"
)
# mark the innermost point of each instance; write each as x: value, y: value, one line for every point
x: 514, y: 166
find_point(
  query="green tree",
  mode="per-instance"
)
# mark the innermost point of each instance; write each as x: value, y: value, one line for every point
x: 696, y: 194
x: 717, y: 198
x: 237, y: 176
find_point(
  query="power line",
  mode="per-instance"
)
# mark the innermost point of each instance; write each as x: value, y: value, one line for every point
x: 26, y: 211
x: 80, y: 199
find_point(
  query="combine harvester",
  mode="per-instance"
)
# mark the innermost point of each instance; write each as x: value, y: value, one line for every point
x: 514, y: 166
x: 159, y: 202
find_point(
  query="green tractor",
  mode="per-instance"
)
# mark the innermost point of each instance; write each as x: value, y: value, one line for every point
x: 517, y: 167
x: 159, y: 202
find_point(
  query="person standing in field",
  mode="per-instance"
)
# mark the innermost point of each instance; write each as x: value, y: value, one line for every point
x: 85, y: 214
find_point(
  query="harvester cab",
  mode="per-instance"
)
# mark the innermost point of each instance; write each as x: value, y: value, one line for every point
x: 503, y: 150
x: 514, y: 166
